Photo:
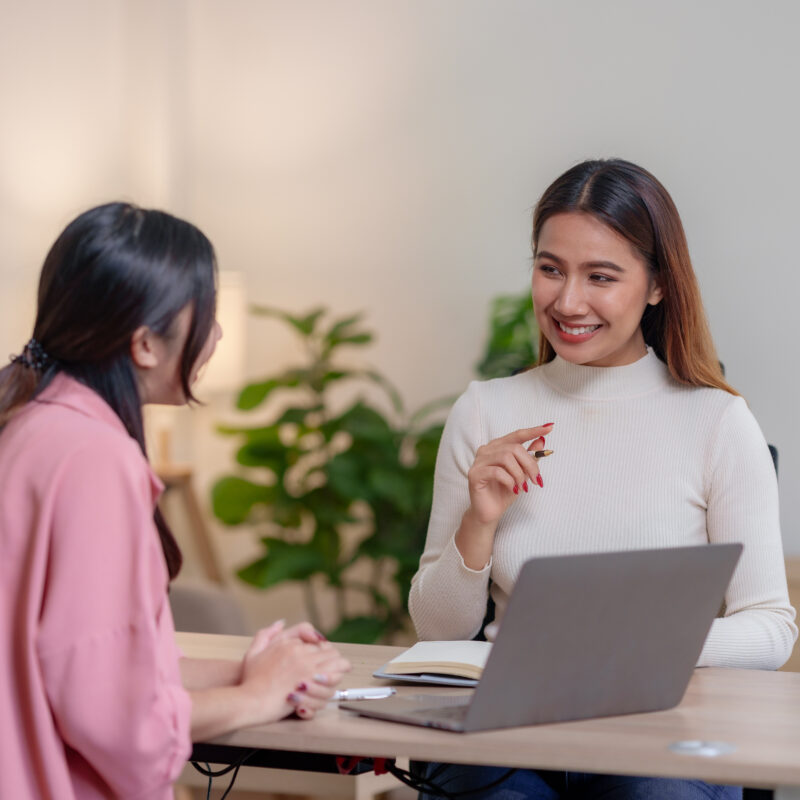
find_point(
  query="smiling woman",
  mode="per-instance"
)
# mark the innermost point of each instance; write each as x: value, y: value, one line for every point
x: 590, y: 290
x: 651, y: 447
x: 617, y: 208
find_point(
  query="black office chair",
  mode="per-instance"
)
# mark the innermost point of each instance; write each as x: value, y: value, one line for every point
x: 773, y: 451
x: 757, y: 794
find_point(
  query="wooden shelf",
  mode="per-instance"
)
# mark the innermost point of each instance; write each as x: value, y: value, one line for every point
x: 178, y: 479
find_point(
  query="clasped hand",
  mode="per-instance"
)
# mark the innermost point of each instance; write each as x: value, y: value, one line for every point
x: 291, y: 669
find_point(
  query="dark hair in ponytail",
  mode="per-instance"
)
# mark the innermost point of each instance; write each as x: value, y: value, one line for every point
x: 114, y: 269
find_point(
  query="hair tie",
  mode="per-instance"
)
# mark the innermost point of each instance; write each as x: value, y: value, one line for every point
x: 33, y: 356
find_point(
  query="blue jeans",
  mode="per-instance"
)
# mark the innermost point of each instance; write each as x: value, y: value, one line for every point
x: 527, y: 784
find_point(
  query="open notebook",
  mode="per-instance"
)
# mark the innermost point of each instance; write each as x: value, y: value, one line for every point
x: 457, y: 663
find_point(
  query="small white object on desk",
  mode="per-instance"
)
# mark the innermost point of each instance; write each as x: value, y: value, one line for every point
x: 368, y: 693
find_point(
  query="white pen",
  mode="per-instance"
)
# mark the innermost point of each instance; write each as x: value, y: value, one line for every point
x: 368, y: 693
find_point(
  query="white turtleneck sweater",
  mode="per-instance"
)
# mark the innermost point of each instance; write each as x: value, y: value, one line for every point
x: 640, y: 462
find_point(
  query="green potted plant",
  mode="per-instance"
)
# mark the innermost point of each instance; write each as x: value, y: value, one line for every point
x: 312, y: 470
x: 513, y: 337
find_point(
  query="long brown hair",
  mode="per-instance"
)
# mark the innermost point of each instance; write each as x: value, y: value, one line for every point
x: 633, y: 202
x: 112, y: 270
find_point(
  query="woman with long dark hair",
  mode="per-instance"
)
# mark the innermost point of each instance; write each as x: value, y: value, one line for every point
x: 96, y: 700
x: 652, y: 447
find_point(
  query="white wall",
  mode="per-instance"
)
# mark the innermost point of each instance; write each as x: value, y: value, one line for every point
x: 386, y: 156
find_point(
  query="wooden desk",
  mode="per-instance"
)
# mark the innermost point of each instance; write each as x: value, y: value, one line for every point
x: 793, y: 580
x: 757, y: 712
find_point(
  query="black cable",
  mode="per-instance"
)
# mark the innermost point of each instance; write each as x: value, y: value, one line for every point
x: 232, y: 781
x: 416, y: 782
x: 211, y: 774
x: 424, y: 784
x: 421, y: 784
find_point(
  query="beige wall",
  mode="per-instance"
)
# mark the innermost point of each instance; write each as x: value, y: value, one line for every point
x: 385, y: 156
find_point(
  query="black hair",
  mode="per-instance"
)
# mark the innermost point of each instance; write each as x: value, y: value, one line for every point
x: 114, y: 269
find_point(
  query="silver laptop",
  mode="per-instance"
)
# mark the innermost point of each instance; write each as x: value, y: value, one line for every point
x: 586, y: 636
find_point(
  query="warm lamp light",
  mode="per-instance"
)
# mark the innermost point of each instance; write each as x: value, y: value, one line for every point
x: 17, y: 317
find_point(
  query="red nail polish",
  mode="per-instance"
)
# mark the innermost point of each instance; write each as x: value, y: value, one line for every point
x: 548, y: 424
x: 540, y: 481
x: 525, y: 486
x: 302, y: 711
x: 301, y: 687
x: 322, y: 637
x: 516, y: 490
x: 292, y: 698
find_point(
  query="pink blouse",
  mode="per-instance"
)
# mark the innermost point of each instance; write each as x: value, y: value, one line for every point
x: 91, y: 699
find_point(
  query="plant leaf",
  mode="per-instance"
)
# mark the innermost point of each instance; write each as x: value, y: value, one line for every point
x: 328, y: 507
x: 297, y: 414
x: 426, y: 447
x: 233, y: 498
x: 287, y: 511
x: 364, y: 423
x: 256, y: 393
x: 391, y: 484
x: 251, y: 455
x: 284, y: 561
x: 387, y: 386
x: 344, y: 474
x: 334, y: 375
x: 341, y: 332
x: 513, y: 336
x: 339, y: 327
x: 305, y: 325
x: 362, y: 630
x: 431, y: 408
x: 327, y: 543
x: 355, y: 338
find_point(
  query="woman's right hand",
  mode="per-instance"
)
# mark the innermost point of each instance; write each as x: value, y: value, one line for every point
x: 295, y: 669
x: 502, y: 470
